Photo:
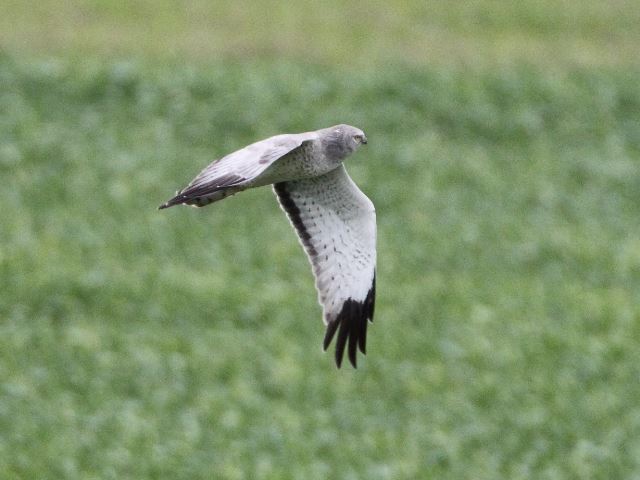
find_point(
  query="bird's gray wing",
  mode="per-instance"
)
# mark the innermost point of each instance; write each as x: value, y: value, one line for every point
x: 336, y: 224
x: 237, y: 169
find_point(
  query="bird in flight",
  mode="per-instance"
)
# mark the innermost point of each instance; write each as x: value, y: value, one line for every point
x: 334, y: 220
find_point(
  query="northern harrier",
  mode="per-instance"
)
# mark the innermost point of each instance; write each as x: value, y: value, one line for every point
x: 334, y: 220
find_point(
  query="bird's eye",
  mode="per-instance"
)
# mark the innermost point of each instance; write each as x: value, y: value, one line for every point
x: 358, y: 138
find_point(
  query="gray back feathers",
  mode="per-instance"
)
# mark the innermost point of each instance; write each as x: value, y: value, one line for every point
x: 334, y: 220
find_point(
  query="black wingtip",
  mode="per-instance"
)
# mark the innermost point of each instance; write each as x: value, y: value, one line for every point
x: 351, y: 326
x: 177, y: 200
x: 328, y: 336
x: 362, y: 340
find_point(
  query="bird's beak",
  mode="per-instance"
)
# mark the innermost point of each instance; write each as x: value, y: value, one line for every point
x: 364, y: 140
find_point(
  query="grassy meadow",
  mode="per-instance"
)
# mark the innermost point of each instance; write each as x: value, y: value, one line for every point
x: 504, y: 146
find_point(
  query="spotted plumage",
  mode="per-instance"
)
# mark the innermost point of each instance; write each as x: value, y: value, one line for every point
x: 333, y: 219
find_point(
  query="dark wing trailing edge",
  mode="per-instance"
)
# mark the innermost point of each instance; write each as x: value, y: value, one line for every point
x: 238, y: 170
x: 336, y: 225
x: 200, y: 194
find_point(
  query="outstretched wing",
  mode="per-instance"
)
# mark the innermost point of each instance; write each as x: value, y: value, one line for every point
x: 336, y: 224
x: 234, y: 171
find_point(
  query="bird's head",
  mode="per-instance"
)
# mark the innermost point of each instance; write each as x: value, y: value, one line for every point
x: 342, y: 140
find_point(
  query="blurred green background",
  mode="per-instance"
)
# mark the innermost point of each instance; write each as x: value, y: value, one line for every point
x: 503, y: 162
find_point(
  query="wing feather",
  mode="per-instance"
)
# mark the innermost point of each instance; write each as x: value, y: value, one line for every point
x: 336, y: 225
x: 235, y: 171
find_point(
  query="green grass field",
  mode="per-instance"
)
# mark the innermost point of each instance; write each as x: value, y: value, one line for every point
x: 186, y: 343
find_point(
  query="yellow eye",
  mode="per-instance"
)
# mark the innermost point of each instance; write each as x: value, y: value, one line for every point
x: 360, y: 139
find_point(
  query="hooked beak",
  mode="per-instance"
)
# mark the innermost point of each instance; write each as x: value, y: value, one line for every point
x: 364, y: 140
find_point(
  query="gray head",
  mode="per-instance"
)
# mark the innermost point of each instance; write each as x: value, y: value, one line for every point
x: 340, y: 141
